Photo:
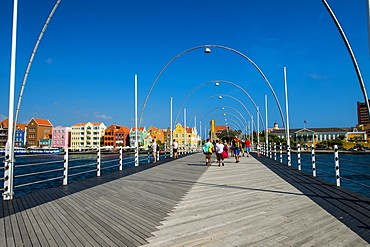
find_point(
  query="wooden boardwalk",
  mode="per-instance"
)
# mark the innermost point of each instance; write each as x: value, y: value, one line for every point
x: 257, y: 202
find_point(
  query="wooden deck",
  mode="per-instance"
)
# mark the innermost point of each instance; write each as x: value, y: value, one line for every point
x: 257, y: 202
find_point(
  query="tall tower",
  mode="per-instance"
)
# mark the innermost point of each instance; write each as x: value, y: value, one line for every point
x: 213, y: 135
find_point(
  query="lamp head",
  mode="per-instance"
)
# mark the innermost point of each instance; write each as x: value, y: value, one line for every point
x: 207, y: 50
x: 217, y: 84
x: 220, y: 97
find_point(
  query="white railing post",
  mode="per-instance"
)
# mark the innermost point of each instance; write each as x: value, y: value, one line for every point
x: 157, y: 153
x: 313, y: 161
x: 148, y: 154
x: 120, y: 158
x: 270, y: 150
x: 275, y: 151
x: 165, y: 151
x: 336, y: 161
x: 98, y: 161
x: 299, y: 157
x: 66, y: 164
x: 281, y: 152
x: 288, y: 155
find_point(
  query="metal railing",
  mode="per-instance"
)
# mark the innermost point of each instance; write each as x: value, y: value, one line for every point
x: 330, y: 165
x: 39, y: 171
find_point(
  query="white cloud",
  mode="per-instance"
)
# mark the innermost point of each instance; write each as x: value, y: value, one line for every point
x: 317, y: 76
x: 2, y: 117
x: 102, y: 116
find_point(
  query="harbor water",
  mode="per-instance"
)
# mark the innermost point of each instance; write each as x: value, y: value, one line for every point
x: 83, y: 166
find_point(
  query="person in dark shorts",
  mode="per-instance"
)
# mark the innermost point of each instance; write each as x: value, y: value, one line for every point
x: 175, y: 146
x: 207, y: 150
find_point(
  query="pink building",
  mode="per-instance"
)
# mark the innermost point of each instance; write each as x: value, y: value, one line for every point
x: 61, y: 136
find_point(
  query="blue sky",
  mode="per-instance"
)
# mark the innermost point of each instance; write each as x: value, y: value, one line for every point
x: 85, y: 65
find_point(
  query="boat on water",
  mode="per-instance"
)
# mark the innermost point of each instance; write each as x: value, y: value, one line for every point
x: 44, y: 150
x: 17, y: 150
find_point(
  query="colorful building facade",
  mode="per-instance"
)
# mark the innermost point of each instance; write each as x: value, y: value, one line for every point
x: 61, y: 136
x: 116, y: 135
x: 38, y: 130
x: 141, y: 135
x: 20, y: 133
x: 87, y: 135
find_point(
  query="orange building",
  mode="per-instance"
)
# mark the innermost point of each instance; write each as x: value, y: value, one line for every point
x: 116, y: 135
x: 156, y: 133
x: 19, y: 133
x: 38, y: 129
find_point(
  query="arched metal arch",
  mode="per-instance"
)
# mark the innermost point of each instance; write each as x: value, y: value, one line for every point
x: 224, y: 107
x: 223, y: 95
x: 227, y: 82
x: 222, y: 47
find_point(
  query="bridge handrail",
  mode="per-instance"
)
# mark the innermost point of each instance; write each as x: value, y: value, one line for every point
x: 302, y: 156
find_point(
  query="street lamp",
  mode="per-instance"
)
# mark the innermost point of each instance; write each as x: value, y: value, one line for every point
x: 208, y: 50
x: 217, y: 83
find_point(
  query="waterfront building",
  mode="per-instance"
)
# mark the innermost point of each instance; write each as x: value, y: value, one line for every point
x: 186, y: 137
x: 61, y: 136
x: 167, y: 136
x: 363, y: 117
x: 141, y: 135
x: 20, y: 132
x: 158, y: 134
x: 39, y: 132
x: 148, y: 141
x: 87, y: 135
x: 116, y: 135
x: 315, y: 135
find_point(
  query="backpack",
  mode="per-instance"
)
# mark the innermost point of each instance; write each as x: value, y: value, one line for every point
x: 207, y: 148
x: 237, y: 144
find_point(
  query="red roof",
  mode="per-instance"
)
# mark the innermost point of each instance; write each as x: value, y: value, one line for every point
x: 42, y: 122
x: 79, y: 124
x: 5, y: 124
x: 117, y: 127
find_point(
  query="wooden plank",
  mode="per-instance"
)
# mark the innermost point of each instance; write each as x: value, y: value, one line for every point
x: 23, y: 223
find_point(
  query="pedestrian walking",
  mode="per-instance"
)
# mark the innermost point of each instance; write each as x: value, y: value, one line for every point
x: 175, y: 146
x: 154, y: 149
x: 258, y: 147
x: 247, y: 147
x: 207, y: 150
x: 236, y: 147
x: 219, y: 150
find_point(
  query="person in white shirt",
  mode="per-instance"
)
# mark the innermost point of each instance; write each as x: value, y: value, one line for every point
x: 219, y: 149
x: 154, y: 148
x: 175, y: 146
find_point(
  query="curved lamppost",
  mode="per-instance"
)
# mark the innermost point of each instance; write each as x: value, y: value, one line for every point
x: 230, y: 119
x: 223, y: 107
x: 217, y: 83
x: 350, y: 51
x: 231, y: 114
x: 208, y: 50
x: 9, y: 149
x: 220, y: 95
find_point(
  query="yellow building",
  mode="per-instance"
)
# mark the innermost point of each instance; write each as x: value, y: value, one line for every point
x: 186, y: 137
x: 87, y: 135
